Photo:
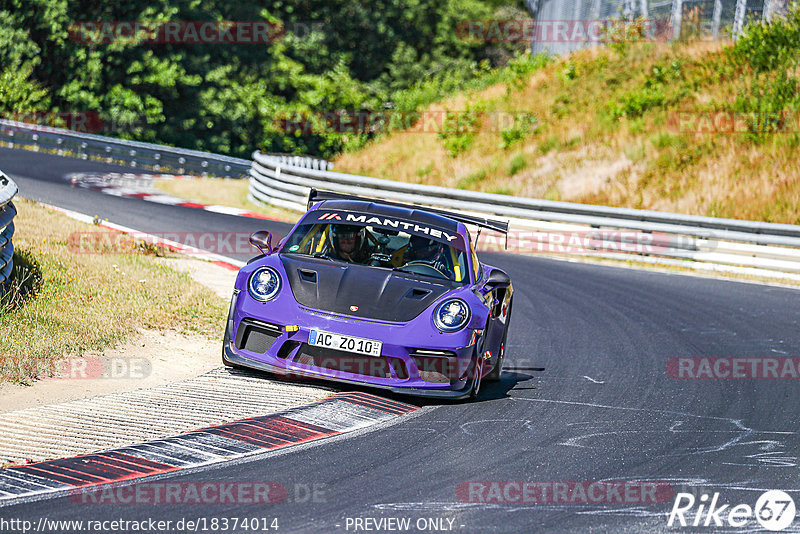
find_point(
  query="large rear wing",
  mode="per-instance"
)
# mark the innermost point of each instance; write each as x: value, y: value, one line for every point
x: 497, y: 226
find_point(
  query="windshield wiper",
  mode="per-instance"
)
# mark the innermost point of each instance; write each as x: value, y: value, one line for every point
x: 434, y: 277
x: 401, y: 270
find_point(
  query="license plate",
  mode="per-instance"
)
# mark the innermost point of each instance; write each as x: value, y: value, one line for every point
x: 358, y: 345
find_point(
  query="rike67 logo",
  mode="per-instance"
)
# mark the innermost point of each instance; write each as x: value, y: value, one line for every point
x: 774, y: 510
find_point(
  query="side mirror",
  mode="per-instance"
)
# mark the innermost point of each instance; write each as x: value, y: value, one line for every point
x: 497, y: 279
x: 262, y: 240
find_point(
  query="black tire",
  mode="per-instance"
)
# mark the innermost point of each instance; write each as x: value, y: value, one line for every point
x: 494, y: 375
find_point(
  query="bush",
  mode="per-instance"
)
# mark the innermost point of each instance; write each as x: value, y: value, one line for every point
x: 549, y: 144
x: 25, y: 280
x: 768, y: 46
x: 636, y: 103
x: 768, y: 99
x: 458, y: 129
x: 517, y: 164
x: 621, y: 35
x: 471, y: 181
x: 772, y: 50
x: 524, y: 125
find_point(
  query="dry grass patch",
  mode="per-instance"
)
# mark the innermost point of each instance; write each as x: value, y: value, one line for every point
x: 608, y: 135
x: 607, y: 131
x: 90, y: 301
x: 221, y: 191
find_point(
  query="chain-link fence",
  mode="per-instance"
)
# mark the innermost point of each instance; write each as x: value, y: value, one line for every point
x: 567, y: 25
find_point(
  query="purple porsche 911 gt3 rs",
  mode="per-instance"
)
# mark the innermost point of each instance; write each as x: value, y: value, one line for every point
x: 374, y: 293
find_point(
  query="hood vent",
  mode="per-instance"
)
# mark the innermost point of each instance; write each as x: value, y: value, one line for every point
x: 360, y: 291
x: 416, y: 293
x: 307, y: 275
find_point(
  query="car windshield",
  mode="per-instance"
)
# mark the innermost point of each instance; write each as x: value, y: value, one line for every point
x: 416, y: 249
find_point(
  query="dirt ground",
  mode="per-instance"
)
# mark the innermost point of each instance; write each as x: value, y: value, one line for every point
x: 151, y: 358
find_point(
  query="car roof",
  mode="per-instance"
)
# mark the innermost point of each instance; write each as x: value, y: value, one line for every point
x: 383, y: 210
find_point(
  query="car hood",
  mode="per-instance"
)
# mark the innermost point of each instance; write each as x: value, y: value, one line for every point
x: 360, y: 291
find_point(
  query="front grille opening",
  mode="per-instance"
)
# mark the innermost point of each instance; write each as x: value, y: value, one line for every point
x: 345, y: 362
x: 256, y: 336
x: 436, y: 369
x: 287, y: 348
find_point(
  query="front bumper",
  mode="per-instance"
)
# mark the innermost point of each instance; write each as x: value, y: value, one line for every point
x: 416, y: 358
x: 230, y: 356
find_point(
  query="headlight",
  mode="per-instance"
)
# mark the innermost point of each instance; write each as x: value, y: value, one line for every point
x: 451, y: 315
x: 264, y: 284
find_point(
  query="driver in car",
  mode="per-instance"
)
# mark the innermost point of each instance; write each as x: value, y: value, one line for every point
x: 349, y: 243
x: 429, y: 251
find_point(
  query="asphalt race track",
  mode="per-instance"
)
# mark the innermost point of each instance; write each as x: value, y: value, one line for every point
x: 587, y: 398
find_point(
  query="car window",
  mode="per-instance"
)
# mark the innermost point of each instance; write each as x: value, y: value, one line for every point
x: 425, y: 251
x: 476, y: 264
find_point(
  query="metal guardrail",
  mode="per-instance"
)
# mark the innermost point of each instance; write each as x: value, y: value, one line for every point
x: 161, y: 158
x: 305, y: 162
x: 70, y: 143
x: 701, y: 239
x: 285, y: 180
x: 7, y: 212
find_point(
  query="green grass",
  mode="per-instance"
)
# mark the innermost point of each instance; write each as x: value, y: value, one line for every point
x: 66, y: 299
x: 471, y: 181
x: 517, y: 163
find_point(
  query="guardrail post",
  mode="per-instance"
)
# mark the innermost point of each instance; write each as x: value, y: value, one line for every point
x: 774, y: 8
x: 738, y: 18
x: 676, y: 18
x: 717, y: 18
